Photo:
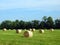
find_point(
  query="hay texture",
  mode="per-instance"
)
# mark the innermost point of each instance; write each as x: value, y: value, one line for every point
x: 28, y: 34
x: 41, y: 31
x: 18, y: 30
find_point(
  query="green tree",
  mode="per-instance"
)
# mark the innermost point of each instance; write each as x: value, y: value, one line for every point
x: 17, y: 24
x: 28, y: 25
x: 50, y: 22
x: 44, y: 19
x: 43, y: 23
x: 6, y: 24
x: 35, y: 23
x: 57, y: 23
x: 22, y: 24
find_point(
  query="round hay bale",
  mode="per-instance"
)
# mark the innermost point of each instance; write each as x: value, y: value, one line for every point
x: 4, y: 29
x: 30, y: 29
x: 41, y: 31
x: 25, y: 29
x: 28, y: 34
x: 13, y: 29
x: 33, y: 29
x: 9, y: 29
x: 52, y: 30
x: 18, y: 30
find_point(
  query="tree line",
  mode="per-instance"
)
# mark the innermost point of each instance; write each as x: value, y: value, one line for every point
x: 46, y: 23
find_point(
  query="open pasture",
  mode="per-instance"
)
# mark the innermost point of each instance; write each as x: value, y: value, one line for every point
x: 10, y: 37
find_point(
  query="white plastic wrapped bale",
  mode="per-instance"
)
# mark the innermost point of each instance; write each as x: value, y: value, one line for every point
x: 41, y: 31
x: 28, y: 34
x: 4, y: 29
x: 18, y: 30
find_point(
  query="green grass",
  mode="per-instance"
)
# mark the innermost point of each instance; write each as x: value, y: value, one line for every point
x: 10, y: 37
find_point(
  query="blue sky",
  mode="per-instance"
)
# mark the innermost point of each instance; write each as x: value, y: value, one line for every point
x: 29, y: 9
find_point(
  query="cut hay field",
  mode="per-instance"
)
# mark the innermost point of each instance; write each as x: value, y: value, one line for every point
x: 10, y: 37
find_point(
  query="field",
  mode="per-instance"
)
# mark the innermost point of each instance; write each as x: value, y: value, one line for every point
x: 10, y: 37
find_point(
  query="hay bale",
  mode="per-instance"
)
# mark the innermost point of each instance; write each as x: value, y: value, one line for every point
x: 41, y: 31
x: 9, y: 29
x: 14, y: 29
x: 18, y: 30
x: 30, y: 29
x: 33, y: 29
x: 4, y: 29
x: 25, y: 29
x: 28, y: 34
x: 52, y: 30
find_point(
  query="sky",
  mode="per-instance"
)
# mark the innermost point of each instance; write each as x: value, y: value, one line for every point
x: 29, y: 9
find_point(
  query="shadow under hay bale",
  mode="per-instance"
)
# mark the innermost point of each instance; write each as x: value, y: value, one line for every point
x: 28, y: 34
